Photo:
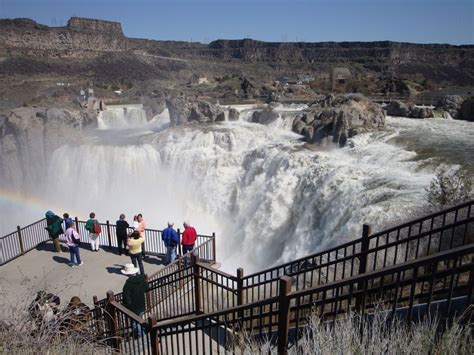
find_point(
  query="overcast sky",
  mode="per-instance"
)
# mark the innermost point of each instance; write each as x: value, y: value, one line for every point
x: 419, y: 21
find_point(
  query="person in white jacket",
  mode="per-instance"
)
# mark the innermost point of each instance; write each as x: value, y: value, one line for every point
x: 72, y: 241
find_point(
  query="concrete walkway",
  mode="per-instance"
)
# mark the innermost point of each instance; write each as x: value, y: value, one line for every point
x: 43, y: 269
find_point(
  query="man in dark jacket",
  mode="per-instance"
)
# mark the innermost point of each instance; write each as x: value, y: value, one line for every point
x: 171, y: 240
x: 134, y: 297
x: 54, y: 228
x: 121, y: 231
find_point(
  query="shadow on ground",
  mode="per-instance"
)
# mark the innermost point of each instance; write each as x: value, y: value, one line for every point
x: 61, y: 259
x: 115, y: 269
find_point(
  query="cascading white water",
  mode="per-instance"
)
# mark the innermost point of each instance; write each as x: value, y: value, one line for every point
x: 268, y: 198
x: 122, y: 116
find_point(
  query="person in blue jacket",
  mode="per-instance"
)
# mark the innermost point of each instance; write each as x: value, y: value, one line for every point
x: 171, y: 240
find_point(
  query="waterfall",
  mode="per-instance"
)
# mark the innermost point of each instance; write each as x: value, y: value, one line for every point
x: 267, y: 196
x: 123, y: 116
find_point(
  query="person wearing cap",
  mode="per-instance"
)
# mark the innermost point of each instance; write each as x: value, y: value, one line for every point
x: 72, y: 241
x: 171, y: 240
x: 133, y: 294
x: 188, y: 240
x: 135, y: 249
x: 54, y: 228
x: 121, y: 231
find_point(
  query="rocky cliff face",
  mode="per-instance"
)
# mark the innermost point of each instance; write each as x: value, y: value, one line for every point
x: 28, y: 136
x: 184, y: 110
x: 81, y: 38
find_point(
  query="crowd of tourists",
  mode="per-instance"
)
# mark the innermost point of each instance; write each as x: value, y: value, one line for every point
x: 130, y: 238
x: 130, y: 241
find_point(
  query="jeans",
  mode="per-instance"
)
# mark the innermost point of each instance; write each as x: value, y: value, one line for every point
x: 187, y: 255
x: 137, y: 258
x: 94, y: 241
x: 122, y: 243
x: 74, y: 252
x: 170, y: 254
x: 137, y: 328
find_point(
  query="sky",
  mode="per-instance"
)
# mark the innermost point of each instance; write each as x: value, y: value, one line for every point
x: 417, y: 21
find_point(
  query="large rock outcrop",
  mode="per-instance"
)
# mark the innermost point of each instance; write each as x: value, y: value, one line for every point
x: 28, y: 137
x: 399, y: 109
x: 466, y: 111
x: 337, y: 118
x: 264, y: 117
x: 450, y: 104
x: 184, y: 110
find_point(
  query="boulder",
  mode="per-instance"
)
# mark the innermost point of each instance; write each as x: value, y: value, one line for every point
x: 421, y: 112
x: 233, y: 114
x: 398, y: 109
x: 450, y: 104
x: 337, y: 118
x: 183, y: 110
x: 264, y: 117
x: 466, y: 111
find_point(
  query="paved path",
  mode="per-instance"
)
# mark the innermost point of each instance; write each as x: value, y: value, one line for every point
x: 42, y: 269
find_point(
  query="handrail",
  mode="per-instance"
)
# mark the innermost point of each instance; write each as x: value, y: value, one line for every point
x: 405, y: 266
x: 276, y: 319
x: 424, y: 218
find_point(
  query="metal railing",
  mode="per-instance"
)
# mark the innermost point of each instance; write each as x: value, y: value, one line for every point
x: 424, y: 236
x: 27, y: 238
x: 409, y: 291
x: 410, y: 270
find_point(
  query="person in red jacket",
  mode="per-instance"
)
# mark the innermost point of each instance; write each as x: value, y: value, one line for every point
x: 188, y: 240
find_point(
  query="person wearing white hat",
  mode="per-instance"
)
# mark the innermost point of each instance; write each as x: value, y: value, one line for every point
x: 129, y: 269
x: 134, y: 294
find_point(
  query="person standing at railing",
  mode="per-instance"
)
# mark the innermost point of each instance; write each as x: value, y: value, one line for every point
x: 93, y: 227
x: 54, y: 228
x: 135, y: 249
x: 188, y: 240
x: 122, y: 235
x: 141, y: 228
x: 171, y: 240
x: 65, y: 217
x: 73, y: 240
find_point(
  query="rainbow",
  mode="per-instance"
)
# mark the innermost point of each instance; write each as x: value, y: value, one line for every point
x: 18, y: 199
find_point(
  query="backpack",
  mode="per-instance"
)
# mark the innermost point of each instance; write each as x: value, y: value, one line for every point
x: 75, y: 240
x: 97, y: 228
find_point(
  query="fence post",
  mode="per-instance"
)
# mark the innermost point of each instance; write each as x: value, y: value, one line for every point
x: 112, y: 321
x: 214, y: 257
x: 154, y: 336
x: 76, y: 220
x: 20, y: 239
x: 366, y: 230
x: 108, y: 235
x: 284, y: 315
x: 179, y: 244
x: 364, y: 252
x: 147, y: 294
x: 197, y: 285
x: 240, y: 286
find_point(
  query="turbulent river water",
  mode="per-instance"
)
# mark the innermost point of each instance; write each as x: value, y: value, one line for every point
x: 268, y: 197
